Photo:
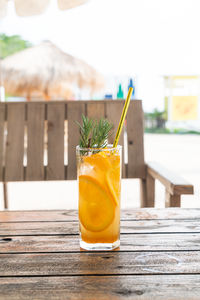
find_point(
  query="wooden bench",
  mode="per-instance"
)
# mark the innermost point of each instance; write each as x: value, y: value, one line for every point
x: 35, y: 131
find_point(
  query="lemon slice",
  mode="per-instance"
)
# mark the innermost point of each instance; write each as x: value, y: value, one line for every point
x: 96, y: 207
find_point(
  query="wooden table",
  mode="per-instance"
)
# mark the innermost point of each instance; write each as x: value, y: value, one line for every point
x: 159, y: 257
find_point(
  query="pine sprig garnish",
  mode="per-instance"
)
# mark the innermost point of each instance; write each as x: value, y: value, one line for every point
x: 94, y: 134
x: 85, y: 131
x: 101, y: 133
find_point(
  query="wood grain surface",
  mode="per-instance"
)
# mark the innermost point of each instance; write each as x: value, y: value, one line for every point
x: 174, y: 183
x: 14, y: 150
x: 35, y: 151
x: 127, y: 226
x: 145, y: 287
x: 95, y: 110
x: 159, y: 257
x: 2, y: 139
x: 100, y: 263
x: 55, y: 117
x: 126, y: 214
x: 74, y: 113
x: 129, y: 242
x: 136, y: 165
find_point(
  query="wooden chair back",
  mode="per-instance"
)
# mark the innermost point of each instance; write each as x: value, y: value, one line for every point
x: 38, y: 138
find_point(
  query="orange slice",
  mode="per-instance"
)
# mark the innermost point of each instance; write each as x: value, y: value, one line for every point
x: 96, y: 207
x: 113, y: 179
x: 99, y: 161
x: 113, y: 185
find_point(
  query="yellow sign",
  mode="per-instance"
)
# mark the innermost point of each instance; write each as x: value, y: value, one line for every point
x: 184, y: 108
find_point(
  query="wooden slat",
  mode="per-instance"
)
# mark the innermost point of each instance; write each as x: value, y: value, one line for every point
x: 113, y: 114
x: 71, y: 227
x: 172, y: 200
x: 14, y: 169
x: 128, y: 214
x: 175, y: 201
x: 173, y: 182
x: 167, y: 198
x: 144, y: 287
x: 2, y: 122
x: 5, y: 195
x: 147, y: 191
x: 150, y: 186
x: 143, y: 192
x: 109, y: 263
x: 95, y: 109
x: 55, y: 117
x: 74, y: 113
x: 35, y: 151
x: 129, y: 242
x: 136, y: 166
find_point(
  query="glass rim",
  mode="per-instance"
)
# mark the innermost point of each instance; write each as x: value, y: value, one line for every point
x: 110, y: 148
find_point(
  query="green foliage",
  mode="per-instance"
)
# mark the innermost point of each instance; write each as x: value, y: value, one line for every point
x: 11, y: 44
x: 94, y: 134
x: 85, y: 132
x: 156, y: 119
x: 157, y: 130
x: 155, y: 114
x: 171, y: 131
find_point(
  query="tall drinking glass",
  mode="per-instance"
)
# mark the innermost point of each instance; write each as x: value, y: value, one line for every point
x: 99, y: 182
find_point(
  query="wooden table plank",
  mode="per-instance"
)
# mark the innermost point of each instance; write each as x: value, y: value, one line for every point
x: 184, y: 287
x: 71, y: 215
x: 40, y: 257
x: 129, y: 242
x: 68, y: 228
x: 39, y: 216
x: 110, y: 263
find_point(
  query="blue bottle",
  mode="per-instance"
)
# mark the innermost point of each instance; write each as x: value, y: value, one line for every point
x: 131, y: 85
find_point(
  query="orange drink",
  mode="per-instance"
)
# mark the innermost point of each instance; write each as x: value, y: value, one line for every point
x: 99, y: 181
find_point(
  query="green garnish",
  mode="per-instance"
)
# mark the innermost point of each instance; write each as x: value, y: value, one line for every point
x: 94, y: 134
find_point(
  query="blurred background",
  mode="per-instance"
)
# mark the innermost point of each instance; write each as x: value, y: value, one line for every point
x: 96, y: 51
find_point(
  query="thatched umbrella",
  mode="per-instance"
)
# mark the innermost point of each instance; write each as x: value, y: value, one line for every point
x: 48, y: 70
x: 34, y: 7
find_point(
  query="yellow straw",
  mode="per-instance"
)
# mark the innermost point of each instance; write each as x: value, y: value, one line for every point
x: 121, y: 122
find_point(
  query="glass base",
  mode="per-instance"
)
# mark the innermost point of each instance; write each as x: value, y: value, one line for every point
x: 99, y: 246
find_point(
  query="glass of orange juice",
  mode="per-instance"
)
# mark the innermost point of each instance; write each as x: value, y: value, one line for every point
x: 99, y: 182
